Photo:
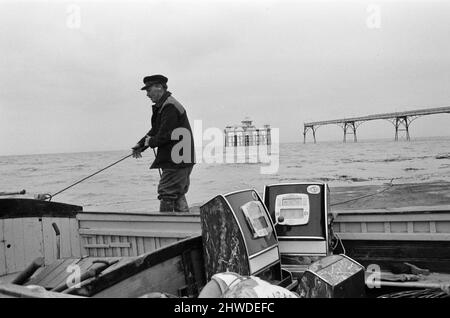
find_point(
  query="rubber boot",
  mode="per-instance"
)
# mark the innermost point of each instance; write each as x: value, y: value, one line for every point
x: 181, y: 204
x: 166, y: 205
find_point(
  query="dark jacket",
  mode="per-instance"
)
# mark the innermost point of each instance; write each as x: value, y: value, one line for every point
x: 169, y: 114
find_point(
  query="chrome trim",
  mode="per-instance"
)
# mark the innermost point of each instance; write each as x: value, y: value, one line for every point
x: 274, y: 231
x: 239, y: 191
x: 263, y: 251
x: 268, y: 216
x: 293, y: 183
x: 291, y: 238
x: 309, y: 254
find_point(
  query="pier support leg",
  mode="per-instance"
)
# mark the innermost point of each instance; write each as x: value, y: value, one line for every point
x: 345, y: 133
x: 402, y: 121
x: 352, y: 125
x: 305, y: 132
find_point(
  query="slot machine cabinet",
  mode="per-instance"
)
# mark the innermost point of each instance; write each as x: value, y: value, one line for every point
x: 334, y: 276
x: 299, y: 212
x: 239, y: 236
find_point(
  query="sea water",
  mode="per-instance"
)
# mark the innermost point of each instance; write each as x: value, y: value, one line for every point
x: 131, y: 187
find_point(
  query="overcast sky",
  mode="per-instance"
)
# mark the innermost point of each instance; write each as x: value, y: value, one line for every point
x: 69, y: 84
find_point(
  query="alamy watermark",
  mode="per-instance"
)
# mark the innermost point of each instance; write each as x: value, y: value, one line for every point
x: 210, y: 148
x: 373, y: 20
x: 73, y: 20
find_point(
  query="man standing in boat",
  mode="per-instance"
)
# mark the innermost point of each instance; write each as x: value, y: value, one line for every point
x: 171, y: 134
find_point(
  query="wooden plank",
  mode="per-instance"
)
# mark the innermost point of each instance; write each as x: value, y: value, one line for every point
x: 62, y: 276
x: 140, y: 245
x: 108, y: 251
x: 375, y: 227
x: 75, y: 243
x: 139, y: 217
x: 64, y: 227
x: 37, y: 280
x: 149, y: 244
x: 422, y: 227
x: 106, y: 242
x: 443, y: 227
x: 147, y: 233
x: 83, y: 240
x: 432, y: 227
x: 116, y: 250
x: 17, y: 291
x: 387, y: 227
x: 100, y: 250
x: 364, y: 227
x: 399, y: 210
x: 395, y: 236
x: 179, y: 226
x: 61, y: 268
x: 134, y: 251
x: 124, y: 250
x: 399, y: 227
x: 167, y: 276
x: 85, y: 264
x: 90, y: 240
x: 410, y: 227
x: 33, y: 239
x: 87, y: 240
x: 49, y: 240
x: 108, y: 246
x: 2, y: 249
x: 19, y: 244
x: 416, y: 216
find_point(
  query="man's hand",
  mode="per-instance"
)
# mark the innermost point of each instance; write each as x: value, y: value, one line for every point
x: 136, y: 151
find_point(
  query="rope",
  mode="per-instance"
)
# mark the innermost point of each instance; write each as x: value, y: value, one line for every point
x: 49, y: 197
x: 366, y: 195
x: 423, y: 293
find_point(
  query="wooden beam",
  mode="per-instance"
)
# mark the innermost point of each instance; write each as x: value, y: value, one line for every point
x: 16, y: 291
x: 143, y: 233
x: 395, y: 236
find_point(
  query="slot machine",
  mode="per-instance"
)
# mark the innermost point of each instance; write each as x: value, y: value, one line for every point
x: 239, y: 236
x: 299, y: 212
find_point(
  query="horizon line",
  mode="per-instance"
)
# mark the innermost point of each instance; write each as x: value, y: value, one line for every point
x: 283, y: 142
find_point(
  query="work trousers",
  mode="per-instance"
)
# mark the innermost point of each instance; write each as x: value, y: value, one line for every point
x: 173, y: 186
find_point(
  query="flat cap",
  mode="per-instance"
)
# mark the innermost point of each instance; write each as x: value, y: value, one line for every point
x: 154, y: 79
